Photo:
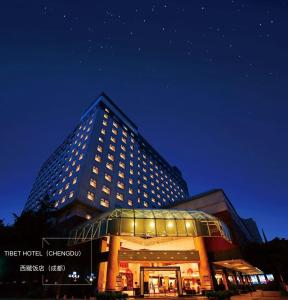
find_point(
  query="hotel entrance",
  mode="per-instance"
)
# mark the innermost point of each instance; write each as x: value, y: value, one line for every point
x: 160, y: 281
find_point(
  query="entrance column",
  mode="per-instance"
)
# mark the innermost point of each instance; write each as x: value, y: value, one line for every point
x: 225, y: 279
x: 113, y: 263
x: 102, y: 267
x: 204, y: 270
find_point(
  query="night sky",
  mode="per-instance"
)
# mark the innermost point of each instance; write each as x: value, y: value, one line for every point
x: 205, y: 81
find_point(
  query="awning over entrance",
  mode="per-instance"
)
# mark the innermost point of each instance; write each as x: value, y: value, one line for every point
x: 149, y: 223
x: 238, y: 265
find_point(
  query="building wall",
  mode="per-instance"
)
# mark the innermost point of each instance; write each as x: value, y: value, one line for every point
x: 105, y: 163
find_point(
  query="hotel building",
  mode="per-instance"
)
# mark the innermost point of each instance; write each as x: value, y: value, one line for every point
x: 108, y: 184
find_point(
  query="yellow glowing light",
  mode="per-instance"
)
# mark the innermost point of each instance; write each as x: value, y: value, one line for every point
x: 170, y: 224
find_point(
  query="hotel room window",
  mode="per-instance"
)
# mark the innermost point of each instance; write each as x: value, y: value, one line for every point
x: 109, y: 166
x: 77, y: 168
x: 120, y: 196
x: 106, y: 189
x: 98, y: 158
x: 114, y: 131
x: 104, y: 123
x: 80, y: 156
x: 115, y: 124
x: 130, y: 203
x: 84, y: 146
x: 110, y: 157
x: 124, y: 140
x: 106, y: 116
x: 122, y: 155
x: 95, y: 170
x: 112, y: 138
x: 112, y: 147
x: 122, y: 164
x: 121, y: 174
x: 99, y: 148
x: 130, y: 191
x: 123, y: 148
x: 107, y: 110
x: 124, y: 133
x: 74, y: 180
x: 120, y: 185
x: 71, y: 194
x: 103, y: 131
x: 108, y: 177
x: 100, y: 139
x: 90, y: 196
x: 130, y: 180
x: 104, y: 202
x: 93, y: 182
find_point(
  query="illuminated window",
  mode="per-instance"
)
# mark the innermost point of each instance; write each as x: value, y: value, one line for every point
x: 90, y: 196
x: 99, y: 148
x: 104, y: 202
x: 123, y: 148
x: 110, y: 157
x: 95, y: 170
x: 74, y: 180
x: 107, y: 110
x: 106, y: 190
x: 120, y: 196
x: 84, y: 146
x: 122, y: 164
x: 109, y: 166
x: 112, y: 138
x: 114, y: 131
x: 77, y: 168
x: 73, y: 163
x: 121, y: 185
x: 98, y: 158
x: 93, y: 182
x: 122, y: 155
x: 106, y: 116
x: 80, y: 156
x: 145, y: 186
x: 103, y: 131
x: 108, y: 177
x: 56, y: 204
x: 130, y: 203
x: 112, y: 147
x: 130, y: 180
x: 145, y: 204
x: 131, y: 163
x: 67, y: 168
x: 132, y: 140
x: 121, y: 174
x: 104, y: 123
x: 115, y: 124
x: 60, y: 191
x: 70, y: 173
x: 145, y: 177
x: 130, y: 191
x: 63, y: 199
x: 145, y: 195
x: 124, y: 140
x: 132, y: 147
x: 153, y: 200
x: 71, y: 194
x: 131, y: 171
x: 124, y: 133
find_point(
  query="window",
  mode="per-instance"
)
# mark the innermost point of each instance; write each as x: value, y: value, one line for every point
x: 106, y: 116
x: 90, y: 196
x: 74, y: 180
x: 145, y: 204
x: 124, y: 140
x: 99, y: 148
x: 84, y: 146
x: 80, y: 156
x: 93, y: 182
x: 95, y: 170
x: 130, y: 191
x: 131, y: 171
x: 110, y: 157
x: 121, y: 174
x: 104, y: 202
x: 108, y: 177
x: 131, y: 163
x: 120, y: 196
x: 107, y: 110
x: 120, y: 185
x: 103, y: 131
x: 115, y: 124
x: 114, y: 131
x: 98, y: 158
x: 145, y: 195
x: 112, y: 147
x: 123, y: 148
x: 112, y: 138
x: 122, y: 164
x: 130, y: 180
x: 70, y: 173
x: 60, y: 191
x: 77, y: 168
x: 63, y: 199
x: 73, y: 163
x: 124, y: 133
x: 122, y: 155
x: 104, y: 123
x: 130, y: 203
x: 106, y: 190
x: 145, y: 186
x: 71, y: 194
x: 109, y: 166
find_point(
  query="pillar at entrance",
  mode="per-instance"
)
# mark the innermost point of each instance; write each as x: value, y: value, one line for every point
x: 102, y: 267
x: 225, y: 279
x: 113, y: 263
x: 204, y: 269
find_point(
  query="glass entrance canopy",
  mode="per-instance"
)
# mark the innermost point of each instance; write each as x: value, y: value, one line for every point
x: 149, y: 223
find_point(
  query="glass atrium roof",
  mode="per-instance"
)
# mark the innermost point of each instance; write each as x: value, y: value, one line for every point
x: 149, y: 223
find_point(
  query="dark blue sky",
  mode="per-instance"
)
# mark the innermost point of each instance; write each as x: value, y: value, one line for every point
x: 206, y: 82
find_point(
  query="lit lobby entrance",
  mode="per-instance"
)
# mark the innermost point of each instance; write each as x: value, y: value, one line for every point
x: 160, y: 281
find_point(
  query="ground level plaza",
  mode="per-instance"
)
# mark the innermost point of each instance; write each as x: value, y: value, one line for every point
x: 161, y: 252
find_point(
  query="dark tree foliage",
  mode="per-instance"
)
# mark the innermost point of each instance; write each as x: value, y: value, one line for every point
x: 271, y: 257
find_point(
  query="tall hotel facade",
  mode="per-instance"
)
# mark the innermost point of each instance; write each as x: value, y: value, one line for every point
x: 109, y: 185
x: 106, y: 163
